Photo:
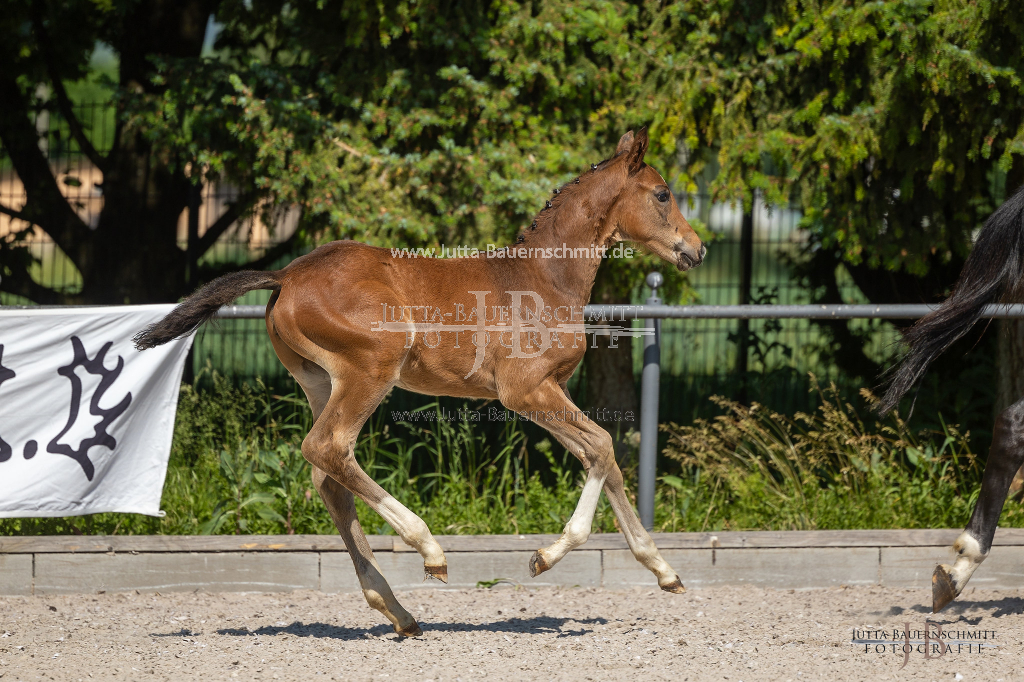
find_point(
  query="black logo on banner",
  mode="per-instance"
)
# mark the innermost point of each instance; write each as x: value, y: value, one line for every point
x: 5, y: 374
x: 100, y: 435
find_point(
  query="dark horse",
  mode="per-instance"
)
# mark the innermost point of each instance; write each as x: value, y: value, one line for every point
x: 993, y: 271
x: 351, y: 321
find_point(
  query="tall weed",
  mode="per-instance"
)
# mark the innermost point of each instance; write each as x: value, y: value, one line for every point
x: 752, y: 468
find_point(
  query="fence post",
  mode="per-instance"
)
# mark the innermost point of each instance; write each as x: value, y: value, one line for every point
x: 195, y: 200
x: 746, y: 278
x: 649, y: 387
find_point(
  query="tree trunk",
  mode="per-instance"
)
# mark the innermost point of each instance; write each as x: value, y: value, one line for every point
x: 134, y: 256
x: 131, y: 256
x: 610, y: 385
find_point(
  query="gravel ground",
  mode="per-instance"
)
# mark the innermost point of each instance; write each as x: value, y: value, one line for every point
x: 506, y: 633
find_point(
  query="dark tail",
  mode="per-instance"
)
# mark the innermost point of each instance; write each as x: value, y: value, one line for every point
x: 994, y: 268
x: 204, y: 304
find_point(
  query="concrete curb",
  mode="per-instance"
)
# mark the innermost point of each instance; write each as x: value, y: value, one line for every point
x: 262, y: 563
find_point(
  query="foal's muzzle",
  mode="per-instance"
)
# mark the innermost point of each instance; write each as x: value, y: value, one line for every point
x: 687, y: 258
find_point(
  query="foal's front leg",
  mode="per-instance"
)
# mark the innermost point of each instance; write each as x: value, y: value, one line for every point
x: 594, y: 448
x: 972, y: 547
x: 638, y: 539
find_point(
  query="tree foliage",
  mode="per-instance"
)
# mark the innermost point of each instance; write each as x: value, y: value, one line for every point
x: 893, y: 124
x: 429, y: 124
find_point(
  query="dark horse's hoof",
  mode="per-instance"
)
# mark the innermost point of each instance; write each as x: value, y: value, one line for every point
x: 943, y: 589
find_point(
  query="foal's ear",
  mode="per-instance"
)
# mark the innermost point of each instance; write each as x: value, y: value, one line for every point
x: 637, y: 150
x: 625, y: 142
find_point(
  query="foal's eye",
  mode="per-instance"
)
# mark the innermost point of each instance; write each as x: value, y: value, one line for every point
x: 662, y: 196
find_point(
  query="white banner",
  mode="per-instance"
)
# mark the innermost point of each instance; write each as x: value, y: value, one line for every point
x: 85, y: 419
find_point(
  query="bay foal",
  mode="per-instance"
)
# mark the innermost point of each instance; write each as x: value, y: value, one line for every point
x: 328, y: 320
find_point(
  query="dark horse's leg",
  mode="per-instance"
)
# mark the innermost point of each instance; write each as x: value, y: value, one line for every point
x: 974, y: 543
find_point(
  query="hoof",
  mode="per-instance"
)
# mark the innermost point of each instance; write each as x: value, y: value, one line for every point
x: 675, y: 587
x: 412, y: 630
x: 538, y: 564
x: 438, y: 572
x: 943, y: 589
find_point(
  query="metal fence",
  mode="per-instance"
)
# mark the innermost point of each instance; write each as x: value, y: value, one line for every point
x: 750, y: 261
x: 652, y: 314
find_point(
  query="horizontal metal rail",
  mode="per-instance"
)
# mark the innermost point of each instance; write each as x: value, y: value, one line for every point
x: 651, y: 313
x: 623, y: 313
x: 242, y: 312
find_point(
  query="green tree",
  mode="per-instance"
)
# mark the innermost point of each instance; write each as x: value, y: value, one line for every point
x: 895, y: 125
x: 392, y: 123
x: 131, y: 254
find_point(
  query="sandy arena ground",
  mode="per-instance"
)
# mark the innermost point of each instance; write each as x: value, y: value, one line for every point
x: 505, y: 633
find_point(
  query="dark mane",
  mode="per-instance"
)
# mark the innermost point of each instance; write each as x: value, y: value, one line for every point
x: 546, y: 217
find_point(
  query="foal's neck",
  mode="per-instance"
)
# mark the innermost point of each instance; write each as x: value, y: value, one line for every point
x: 570, y: 238
x: 567, y: 258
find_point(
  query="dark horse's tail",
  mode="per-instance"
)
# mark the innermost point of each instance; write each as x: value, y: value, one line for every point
x: 203, y: 304
x: 994, y: 268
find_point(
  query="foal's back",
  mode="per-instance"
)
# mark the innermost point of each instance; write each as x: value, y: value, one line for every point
x: 334, y: 300
x: 341, y: 269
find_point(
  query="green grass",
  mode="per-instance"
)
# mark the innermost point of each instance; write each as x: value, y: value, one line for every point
x: 236, y: 467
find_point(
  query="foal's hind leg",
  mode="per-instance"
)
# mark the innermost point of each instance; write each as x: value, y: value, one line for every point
x: 330, y: 446
x: 341, y: 504
x: 593, y: 446
x: 317, y: 386
x: 973, y: 545
x: 638, y: 539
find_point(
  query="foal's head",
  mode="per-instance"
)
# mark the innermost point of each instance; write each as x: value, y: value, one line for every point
x: 646, y: 211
